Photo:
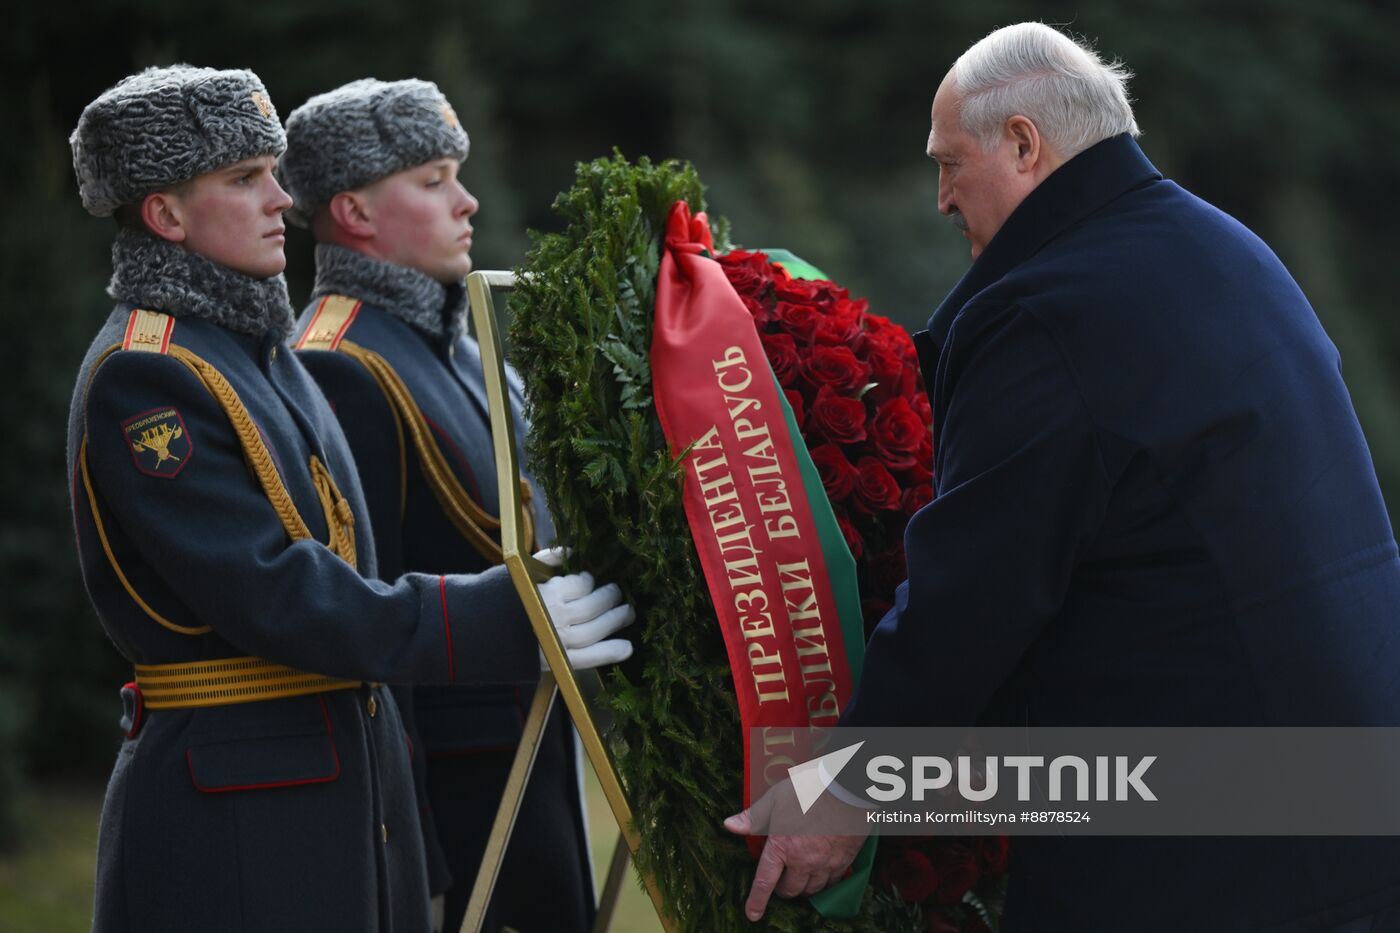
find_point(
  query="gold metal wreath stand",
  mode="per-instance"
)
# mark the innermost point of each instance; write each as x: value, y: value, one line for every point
x: 561, y: 679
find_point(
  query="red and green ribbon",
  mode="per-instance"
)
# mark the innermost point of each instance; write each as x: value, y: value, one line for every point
x: 778, y: 571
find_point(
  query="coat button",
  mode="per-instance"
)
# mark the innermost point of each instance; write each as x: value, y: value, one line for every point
x: 372, y: 706
x: 384, y: 832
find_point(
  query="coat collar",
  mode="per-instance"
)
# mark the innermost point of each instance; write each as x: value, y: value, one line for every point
x: 1072, y: 192
x: 405, y: 293
x: 163, y: 276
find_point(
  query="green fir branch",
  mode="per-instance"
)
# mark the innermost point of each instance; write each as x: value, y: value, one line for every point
x: 581, y: 335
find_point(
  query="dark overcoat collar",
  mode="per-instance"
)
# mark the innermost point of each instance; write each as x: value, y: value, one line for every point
x: 1072, y: 192
x: 407, y: 294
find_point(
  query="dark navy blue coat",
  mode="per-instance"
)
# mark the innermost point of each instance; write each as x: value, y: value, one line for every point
x: 469, y: 734
x: 1154, y: 506
x: 284, y: 814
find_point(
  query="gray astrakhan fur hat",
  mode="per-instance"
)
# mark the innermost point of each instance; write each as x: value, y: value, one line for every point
x: 164, y: 126
x: 360, y: 132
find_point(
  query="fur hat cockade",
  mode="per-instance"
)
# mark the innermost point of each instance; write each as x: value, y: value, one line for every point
x: 346, y: 138
x: 164, y: 126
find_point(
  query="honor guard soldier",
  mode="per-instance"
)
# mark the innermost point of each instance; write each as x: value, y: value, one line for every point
x: 372, y: 167
x: 264, y: 783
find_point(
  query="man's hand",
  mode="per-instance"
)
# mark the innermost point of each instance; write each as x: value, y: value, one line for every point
x: 792, y: 865
x: 584, y: 616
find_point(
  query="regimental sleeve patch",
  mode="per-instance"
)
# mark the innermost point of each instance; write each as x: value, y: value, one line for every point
x: 159, y: 441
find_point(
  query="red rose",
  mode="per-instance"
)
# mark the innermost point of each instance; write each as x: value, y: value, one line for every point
x: 871, y: 343
x: 879, y: 328
x: 922, y: 408
x: 748, y: 272
x: 799, y: 320
x: 958, y: 871
x: 888, y: 332
x: 851, y: 307
x: 838, y: 419
x: 876, y: 489
x: 794, y: 399
x: 806, y: 291
x: 886, y: 367
x: 836, y: 367
x: 838, y: 475
x: 994, y: 851
x: 910, y: 379
x: 919, y: 474
x: 836, y: 332
x: 926, y: 451
x: 848, y: 531
x: 758, y: 310
x: 842, y: 324
x: 912, y: 876
x: 900, y: 339
x: 916, y: 497
x: 782, y: 356
x: 897, y: 432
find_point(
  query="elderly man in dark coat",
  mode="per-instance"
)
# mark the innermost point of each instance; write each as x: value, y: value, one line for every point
x: 1154, y: 506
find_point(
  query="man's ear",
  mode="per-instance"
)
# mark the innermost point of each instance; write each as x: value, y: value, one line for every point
x: 353, y: 213
x: 1027, y: 141
x: 163, y: 215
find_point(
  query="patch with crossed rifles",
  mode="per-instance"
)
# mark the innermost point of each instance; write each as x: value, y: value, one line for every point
x: 160, y: 444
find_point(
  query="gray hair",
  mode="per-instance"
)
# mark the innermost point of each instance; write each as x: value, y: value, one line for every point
x: 1073, y: 97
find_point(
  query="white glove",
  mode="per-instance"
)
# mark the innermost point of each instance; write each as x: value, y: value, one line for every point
x: 584, y: 616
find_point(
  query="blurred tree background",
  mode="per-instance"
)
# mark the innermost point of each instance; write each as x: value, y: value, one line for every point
x: 807, y: 121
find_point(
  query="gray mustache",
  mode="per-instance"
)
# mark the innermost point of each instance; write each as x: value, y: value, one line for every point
x: 958, y: 220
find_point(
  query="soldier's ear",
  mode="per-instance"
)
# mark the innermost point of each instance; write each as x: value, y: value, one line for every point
x: 352, y: 213
x: 163, y: 215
